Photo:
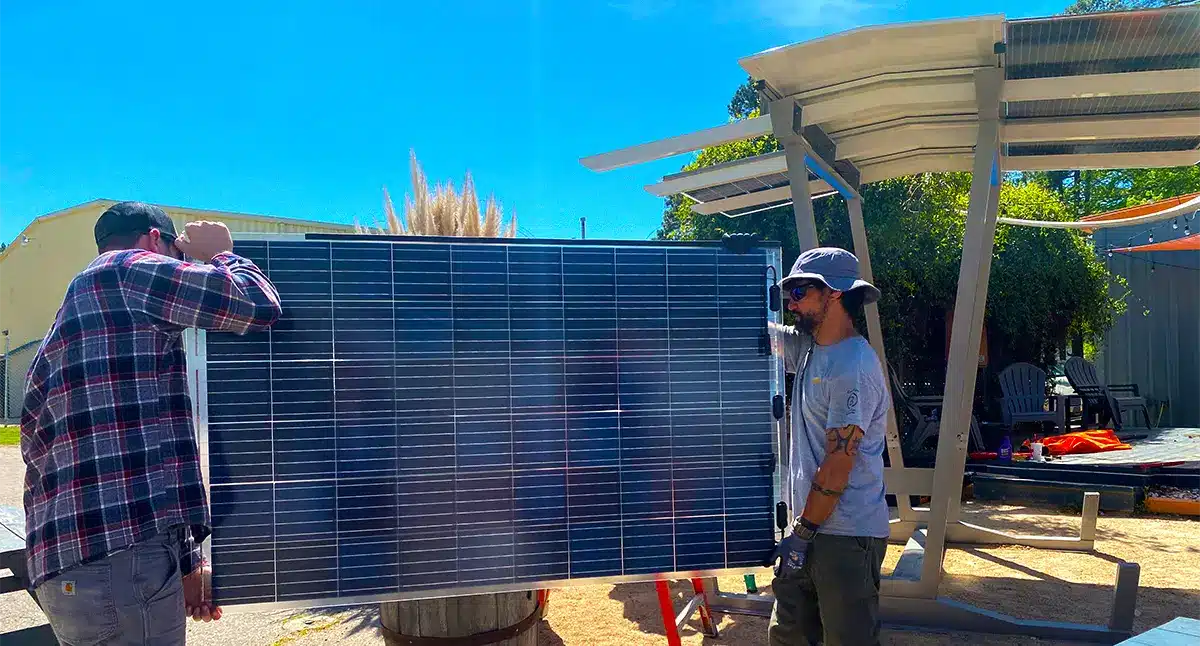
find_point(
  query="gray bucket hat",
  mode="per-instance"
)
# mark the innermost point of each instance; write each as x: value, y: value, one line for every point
x: 835, y: 267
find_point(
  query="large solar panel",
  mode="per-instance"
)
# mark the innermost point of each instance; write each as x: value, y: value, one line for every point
x: 734, y: 188
x: 1103, y: 43
x: 1103, y: 105
x: 435, y: 417
x: 1164, y: 144
x: 740, y: 187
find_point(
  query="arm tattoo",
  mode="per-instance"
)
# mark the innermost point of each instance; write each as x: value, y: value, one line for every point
x: 826, y: 492
x: 843, y: 440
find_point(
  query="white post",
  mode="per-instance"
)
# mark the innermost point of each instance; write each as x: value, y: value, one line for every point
x: 7, y: 385
x: 858, y: 229
x: 785, y: 122
x: 965, y: 333
x: 806, y: 223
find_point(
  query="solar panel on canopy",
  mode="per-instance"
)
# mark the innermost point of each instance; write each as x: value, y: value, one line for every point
x: 747, y: 210
x: 1104, y: 105
x: 1165, y: 144
x: 431, y: 416
x: 1104, y: 43
x: 744, y: 186
x: 740, y: 187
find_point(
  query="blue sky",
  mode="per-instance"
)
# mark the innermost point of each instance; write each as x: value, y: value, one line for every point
x: 307, y: 109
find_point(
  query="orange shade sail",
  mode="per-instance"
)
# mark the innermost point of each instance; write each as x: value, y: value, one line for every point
x: 1140, y: 210
x: 1186, y: 243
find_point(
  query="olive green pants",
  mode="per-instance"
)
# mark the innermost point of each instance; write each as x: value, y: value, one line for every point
x: 834, y: 599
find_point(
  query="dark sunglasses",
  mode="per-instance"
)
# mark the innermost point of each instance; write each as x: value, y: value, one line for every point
x: 800, y: 291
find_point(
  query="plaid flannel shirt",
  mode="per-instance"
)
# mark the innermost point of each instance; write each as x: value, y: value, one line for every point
x: 106, y: 430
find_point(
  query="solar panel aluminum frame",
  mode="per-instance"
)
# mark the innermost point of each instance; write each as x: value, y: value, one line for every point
x: 195, y: 343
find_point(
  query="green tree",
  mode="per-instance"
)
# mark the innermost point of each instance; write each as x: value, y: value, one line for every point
x: 1096, y: 191
x: 1046, y: 284
x: 1097, y: 6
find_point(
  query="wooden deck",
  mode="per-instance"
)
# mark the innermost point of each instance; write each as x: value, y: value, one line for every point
x: 1180, y: 631
x: 1161, y: 445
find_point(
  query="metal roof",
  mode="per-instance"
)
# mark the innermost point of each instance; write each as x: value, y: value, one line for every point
x: 1111, y: 90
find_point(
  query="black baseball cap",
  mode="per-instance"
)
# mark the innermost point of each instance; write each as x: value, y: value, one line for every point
x: 133, y: 217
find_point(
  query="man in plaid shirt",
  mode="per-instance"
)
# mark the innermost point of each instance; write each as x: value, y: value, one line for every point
x: 114, y: 499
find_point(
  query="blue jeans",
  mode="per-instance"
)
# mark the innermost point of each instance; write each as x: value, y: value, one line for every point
x: 134, y: 596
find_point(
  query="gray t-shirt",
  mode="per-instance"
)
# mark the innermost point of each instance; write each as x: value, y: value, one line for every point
x: 837, y: 386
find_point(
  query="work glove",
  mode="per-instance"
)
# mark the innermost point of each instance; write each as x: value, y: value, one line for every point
x: 790, y: 555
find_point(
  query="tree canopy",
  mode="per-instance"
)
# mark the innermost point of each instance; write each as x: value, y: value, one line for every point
x: 1096, y: 191
x: 1097, y: 6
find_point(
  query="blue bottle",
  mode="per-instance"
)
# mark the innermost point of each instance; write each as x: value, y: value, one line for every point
x: 1005, y: 453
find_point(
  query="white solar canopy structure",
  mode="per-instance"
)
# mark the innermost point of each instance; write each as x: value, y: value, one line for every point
x: 1110, y: 90
x: 985, y: 95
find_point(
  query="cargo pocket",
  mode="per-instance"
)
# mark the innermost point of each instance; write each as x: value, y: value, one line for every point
x: 79, y: 604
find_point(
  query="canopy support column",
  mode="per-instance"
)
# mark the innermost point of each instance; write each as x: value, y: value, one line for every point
x: 858, y: 230
x: 785, y: 123
x: 962, y: 370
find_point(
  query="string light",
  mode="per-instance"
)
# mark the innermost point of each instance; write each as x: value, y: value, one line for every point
x: 1150, y: 231
x: 1135, y: 257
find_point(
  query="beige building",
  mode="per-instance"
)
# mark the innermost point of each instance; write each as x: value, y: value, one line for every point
x: 36, y: 268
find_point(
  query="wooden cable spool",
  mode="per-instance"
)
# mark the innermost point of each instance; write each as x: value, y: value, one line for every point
x: 500, y: 619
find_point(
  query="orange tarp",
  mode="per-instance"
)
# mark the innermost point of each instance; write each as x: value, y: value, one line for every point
x: 1186, y: 243
x: 1139, y: 210
x: 1083, y: 442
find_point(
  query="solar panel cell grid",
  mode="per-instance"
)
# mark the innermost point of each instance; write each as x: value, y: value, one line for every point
x: 1103, y: 43
x: 1103, y: 105
x: 1086, y: 148
x: 429, y: 417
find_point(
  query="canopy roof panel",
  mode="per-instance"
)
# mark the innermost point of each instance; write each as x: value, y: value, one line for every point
x: 1135, y: 104
x: 1112, y: 90
x: 1103, y: 43
x: 870, y: 54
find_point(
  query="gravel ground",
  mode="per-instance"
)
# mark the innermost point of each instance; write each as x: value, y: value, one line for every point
x: 1028, y: 583
x: 1175, y: 493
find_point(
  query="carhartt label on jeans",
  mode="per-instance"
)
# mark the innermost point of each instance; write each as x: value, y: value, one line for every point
x: 68, y: 588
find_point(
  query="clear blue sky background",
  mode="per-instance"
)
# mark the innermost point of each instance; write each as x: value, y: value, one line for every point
x: 307, y: 109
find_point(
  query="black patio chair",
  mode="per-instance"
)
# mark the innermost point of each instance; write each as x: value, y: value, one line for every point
x: 919, y: 418
x: 1024, y: 398
x: 1108, y: 402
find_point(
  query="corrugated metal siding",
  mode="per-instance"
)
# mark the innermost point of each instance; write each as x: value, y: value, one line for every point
x: 35, y: 276
x: 1156, y: 344
x: 16, y: 367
